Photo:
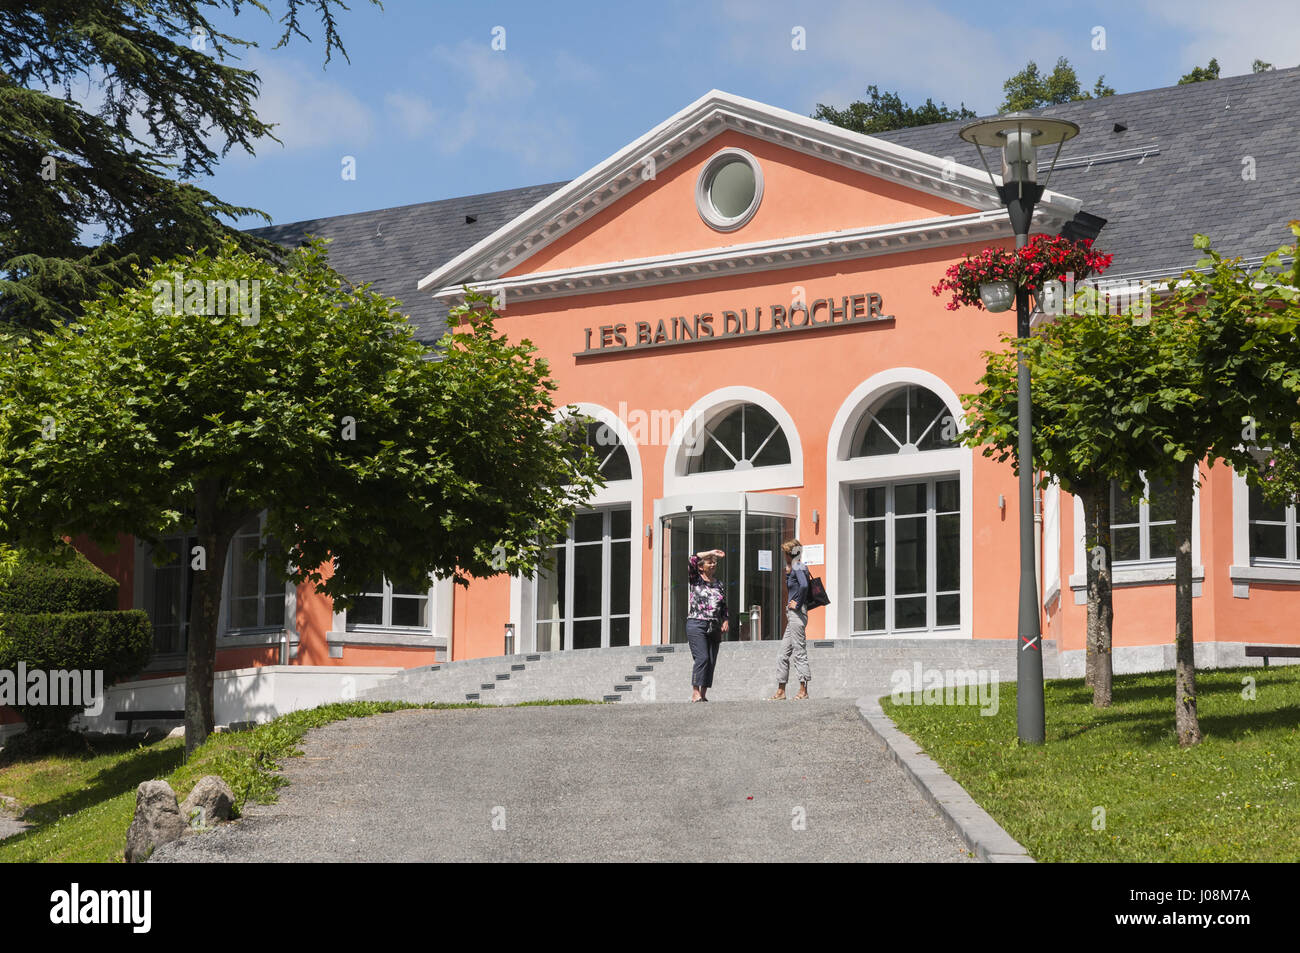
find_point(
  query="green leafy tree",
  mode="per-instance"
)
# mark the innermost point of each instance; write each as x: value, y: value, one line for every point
x: 1030, y: 89
x: 1259, y: 66
x: 880, y: 112
x: 84, y: 193
x: 1230, y: 367
x: 1211, y: 375
x: 1200, y: 74
x: 169, y: 408
x: 1092, y: 383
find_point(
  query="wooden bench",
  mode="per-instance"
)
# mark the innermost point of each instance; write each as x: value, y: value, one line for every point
x: 1272, y: 651
x: 141, y: 714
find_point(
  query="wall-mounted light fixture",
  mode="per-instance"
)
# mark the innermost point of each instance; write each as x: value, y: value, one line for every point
x: 817, y: 518
x: 648, y: 531
x: 510, y: 638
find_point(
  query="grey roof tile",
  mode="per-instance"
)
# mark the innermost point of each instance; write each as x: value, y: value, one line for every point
x: 1153, y: 206
x: 395, y: 247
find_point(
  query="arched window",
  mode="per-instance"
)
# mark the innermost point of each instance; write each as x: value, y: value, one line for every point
x: 614, y: 462
x: 909, y: 419
x: 743, y: 438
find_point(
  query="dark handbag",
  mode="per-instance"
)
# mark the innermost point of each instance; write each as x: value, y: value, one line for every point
x: 817, y: 593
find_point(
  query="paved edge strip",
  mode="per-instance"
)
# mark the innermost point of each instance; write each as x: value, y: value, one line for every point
x: 974, y: 825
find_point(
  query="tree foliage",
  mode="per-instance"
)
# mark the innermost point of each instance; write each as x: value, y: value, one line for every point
x: 87, y: 190
x: 1212, y: 374
x: 1030, y: 89
x: 161, y: 412
x: 1200, y: 74
x: 881, y: 112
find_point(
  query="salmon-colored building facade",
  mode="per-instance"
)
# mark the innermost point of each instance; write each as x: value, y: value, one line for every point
x: 741, y: 300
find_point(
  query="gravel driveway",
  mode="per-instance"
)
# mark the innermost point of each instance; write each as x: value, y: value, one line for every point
x: 732, y: 781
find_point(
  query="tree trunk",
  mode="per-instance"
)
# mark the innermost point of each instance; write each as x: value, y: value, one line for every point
x: 1185, y: 720
x: 214, y: 535
x: 1101, y: 607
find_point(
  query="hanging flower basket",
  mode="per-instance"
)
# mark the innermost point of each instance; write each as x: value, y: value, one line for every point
x: 1044, y: 258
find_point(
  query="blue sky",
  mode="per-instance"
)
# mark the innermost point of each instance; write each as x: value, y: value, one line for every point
x: 430, y: 110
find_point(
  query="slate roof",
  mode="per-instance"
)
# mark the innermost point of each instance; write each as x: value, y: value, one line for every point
x: 1154, y: 205
x: 395, y: 247
x: 1174, y: 170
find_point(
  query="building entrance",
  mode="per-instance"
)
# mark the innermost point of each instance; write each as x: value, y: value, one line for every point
x: 753, y: 570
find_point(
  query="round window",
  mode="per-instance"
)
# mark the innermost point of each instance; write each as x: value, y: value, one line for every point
x: 729, y: 189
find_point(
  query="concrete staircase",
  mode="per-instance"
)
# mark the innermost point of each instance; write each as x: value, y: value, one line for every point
x: 841, y: 668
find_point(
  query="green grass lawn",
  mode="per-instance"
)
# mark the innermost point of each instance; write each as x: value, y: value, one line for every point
x: 1234, y: 797
x: 83, y: 804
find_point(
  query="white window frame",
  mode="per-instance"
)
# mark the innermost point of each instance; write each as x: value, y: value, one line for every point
x: 843, y: 472
x: 146, y: 574
x: 679, y: 481
x: 523, y: 593
x: 1138, y: 572
x: 1246, y: 569
x: 436, y: 635
x: 265, y: 582
x: 606, y: 568
x: 386, y: 611
x: 226, y: 637
x: 932, y: 592
x: 711, y: 215
x: 1143, y: 526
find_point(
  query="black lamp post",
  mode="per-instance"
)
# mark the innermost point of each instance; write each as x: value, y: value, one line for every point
x: 1019, y: 135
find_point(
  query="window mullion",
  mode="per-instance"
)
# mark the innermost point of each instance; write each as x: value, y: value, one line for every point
x: 890, y: 562
x: 931, y: 558
x: 566, y: 642
x: 1144, y: 521
x: 606, y: 548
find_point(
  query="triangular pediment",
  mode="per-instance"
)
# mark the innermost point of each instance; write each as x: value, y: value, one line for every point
x: 635, y: 216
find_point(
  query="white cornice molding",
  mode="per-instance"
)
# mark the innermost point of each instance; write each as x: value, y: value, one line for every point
x: 753, y: 257
x: 679, y: 135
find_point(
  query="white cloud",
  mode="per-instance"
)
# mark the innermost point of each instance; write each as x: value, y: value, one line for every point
x: 1236, y: 34
x: 917, y: 49
x: 310, y: 111
x: 488, y: 101
x: 413, y: 116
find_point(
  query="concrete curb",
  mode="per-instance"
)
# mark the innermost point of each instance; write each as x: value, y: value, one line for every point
x: 981, y: 834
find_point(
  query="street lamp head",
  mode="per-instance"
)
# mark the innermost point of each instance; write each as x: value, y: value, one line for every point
x: 1018, y: 135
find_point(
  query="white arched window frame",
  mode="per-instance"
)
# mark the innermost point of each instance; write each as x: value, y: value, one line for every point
x: 523, y: 590
x: 844, y: 472
x: 688, y: 435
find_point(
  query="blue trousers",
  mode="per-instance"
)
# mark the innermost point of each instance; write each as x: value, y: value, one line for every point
x: 705, y: 638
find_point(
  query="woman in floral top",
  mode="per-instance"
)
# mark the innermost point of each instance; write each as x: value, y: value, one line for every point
x: 706, y: 619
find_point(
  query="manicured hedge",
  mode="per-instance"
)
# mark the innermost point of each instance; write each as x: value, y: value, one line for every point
x: 118, y: 643
x: 59, y: 613
x: 37, y: 585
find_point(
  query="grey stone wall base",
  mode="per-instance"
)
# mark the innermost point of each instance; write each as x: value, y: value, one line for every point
x: 977, y: 829
x: 1131, y: 659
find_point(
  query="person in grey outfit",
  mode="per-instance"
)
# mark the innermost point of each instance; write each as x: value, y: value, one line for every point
x: 797, y: 582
